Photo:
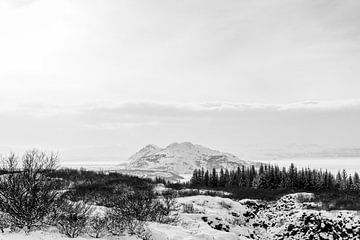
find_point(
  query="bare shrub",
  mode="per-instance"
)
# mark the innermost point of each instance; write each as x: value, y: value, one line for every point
x: 188, y: 208
x: 136, y: 205
x: 135, y: 227
x: 97, y: 226
x: 144, y: 233
x: 225, y: 205
x: 130, y: 212
x: 120, y: 223
x: 116, y: 225
x: 26, y: 192
x: 4, y: 221
x: 132, y: 209
x: 73, y: 218
x: 305, y: 197
x: 165, y: 208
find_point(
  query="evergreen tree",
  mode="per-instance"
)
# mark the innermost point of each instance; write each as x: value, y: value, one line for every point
x: 344, y: 179
x: 206, y: 178
x: 222, y: 181
x: 202, y: 174
x: 356, y: 181
x: 195, y: 180
x: 338, y: 180
x: 214, y: 179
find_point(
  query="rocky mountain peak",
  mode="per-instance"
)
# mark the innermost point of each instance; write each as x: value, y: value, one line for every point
x: 182, y: 158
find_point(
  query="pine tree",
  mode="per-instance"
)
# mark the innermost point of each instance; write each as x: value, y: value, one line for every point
x: 261, y: 169
x: 350, y: 183
x: 206, y: 178
x: 292, y: 175
x: 344, y: 180
x: 214, y: 178
x: 202, y: 173
x: 195, y: 180
x: 356, y: 181
x: 222, y: 181
x: 227, y: 178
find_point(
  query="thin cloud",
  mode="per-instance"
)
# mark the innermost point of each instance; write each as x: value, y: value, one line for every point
x: 133, y: 114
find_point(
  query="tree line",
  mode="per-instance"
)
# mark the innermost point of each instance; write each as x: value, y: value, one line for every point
x: 273, y: 177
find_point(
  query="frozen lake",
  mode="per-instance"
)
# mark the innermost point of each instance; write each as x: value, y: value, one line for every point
x: 350, y: 164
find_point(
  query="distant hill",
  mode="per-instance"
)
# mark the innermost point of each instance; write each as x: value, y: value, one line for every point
x: 183, y: 158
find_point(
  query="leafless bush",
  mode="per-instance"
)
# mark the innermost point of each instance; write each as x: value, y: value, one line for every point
x: 137, y: 205
x: 188, y: 208
x: 166, y: 208
x: 97, y: 226
x: 4, y: 221
x: 116, y: 225
x: 225, y: 205
x: 135, y: 227
x: 131, y: 211
x: 26, y: 193
x: 119, y: 222
x: 73, y: 218
x: 304, y: 197
x: 134, y: 208
x: 143, y: 233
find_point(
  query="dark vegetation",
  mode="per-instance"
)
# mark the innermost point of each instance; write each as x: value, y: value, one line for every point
x: 269, y: 182
x: 34, y: 194
x: 99, y: 188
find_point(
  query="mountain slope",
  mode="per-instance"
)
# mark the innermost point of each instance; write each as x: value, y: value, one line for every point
x: 183, y: 158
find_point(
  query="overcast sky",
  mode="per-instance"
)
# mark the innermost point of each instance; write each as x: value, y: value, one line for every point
x: 98, y: 79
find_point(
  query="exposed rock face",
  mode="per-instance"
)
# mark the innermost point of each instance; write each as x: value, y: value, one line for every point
x: 217, y: 223
x: 183, y: 158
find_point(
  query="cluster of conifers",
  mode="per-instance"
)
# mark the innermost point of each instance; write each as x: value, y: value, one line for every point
x: 274, y: 177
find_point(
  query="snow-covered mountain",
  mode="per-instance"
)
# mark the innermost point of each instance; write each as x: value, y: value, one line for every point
x: 183, y: 158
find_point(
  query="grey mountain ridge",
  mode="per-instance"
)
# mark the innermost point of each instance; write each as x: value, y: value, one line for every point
x: 183, y: 158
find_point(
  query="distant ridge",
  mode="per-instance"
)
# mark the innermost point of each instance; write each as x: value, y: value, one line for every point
x: 183, y: 158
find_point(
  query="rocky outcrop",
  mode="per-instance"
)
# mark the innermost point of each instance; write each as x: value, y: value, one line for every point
x: 290, y: 219
x: 315, y: 225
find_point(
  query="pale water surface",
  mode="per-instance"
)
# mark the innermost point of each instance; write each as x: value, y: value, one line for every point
x: 350, y: 164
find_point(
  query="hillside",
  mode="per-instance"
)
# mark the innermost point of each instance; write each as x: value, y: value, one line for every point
x: 183, y: 158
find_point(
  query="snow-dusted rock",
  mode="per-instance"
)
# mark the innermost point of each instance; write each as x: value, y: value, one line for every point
x: 289, y: 218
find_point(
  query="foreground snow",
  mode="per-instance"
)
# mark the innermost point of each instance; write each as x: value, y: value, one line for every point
x: 205, y: 217
x: 208, y: 220
x: 53, y: 234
